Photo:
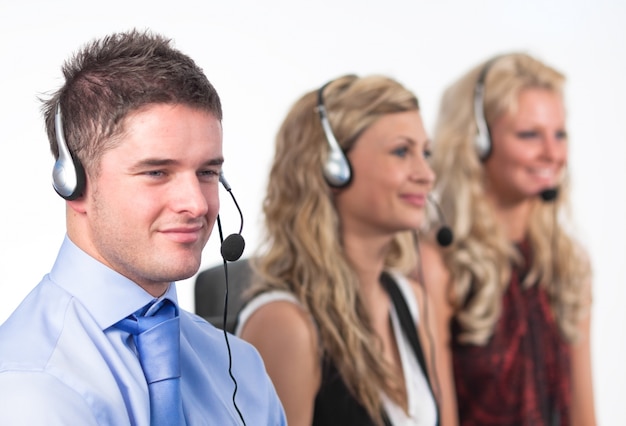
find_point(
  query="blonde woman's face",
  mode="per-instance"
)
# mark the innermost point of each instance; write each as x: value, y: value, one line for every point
x: 391, y: 177
x: 529, y: 147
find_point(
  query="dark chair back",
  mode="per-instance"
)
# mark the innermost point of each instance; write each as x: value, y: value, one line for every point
x: 210, y: 289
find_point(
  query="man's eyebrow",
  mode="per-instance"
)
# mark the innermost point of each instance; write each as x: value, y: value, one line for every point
x: 215, y: 162
x: 160, y: 162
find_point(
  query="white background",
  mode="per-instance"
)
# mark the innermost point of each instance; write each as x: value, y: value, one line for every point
x: 261, y: 56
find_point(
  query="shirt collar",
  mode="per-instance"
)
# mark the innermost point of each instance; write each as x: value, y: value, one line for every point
x: 106, y: 294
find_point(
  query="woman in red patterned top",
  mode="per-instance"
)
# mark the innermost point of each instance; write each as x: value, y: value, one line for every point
x: 513, y: 290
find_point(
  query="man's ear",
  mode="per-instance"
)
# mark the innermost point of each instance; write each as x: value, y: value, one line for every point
x: 79, y: 205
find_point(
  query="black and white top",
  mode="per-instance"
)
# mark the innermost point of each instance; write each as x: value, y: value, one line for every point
x: 422, y: 410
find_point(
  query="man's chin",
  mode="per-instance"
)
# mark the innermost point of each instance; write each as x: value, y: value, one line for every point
x: 181, y: 270
x: 187, y: 272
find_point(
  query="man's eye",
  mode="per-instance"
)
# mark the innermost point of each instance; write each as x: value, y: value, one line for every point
x: 208, y: 173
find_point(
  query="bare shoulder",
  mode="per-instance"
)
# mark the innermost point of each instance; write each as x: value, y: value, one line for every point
x: 286, y: 337
x: 281, y: 323
x: 435, y: 272
x: 437, y: 285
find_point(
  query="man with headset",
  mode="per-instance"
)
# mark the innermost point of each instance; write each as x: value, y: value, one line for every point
x: 136, y: 130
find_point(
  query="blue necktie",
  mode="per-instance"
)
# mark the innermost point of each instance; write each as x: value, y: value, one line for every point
x: 156, y: 331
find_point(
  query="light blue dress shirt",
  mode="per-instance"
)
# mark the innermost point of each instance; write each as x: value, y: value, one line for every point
x: 61, y: 362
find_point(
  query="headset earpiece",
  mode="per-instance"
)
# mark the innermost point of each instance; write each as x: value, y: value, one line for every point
x: 337, y: 170
x: 68, y: 174
x: 482, y: 141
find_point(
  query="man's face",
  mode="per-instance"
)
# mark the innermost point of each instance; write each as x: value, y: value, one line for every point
x: 149, y: 210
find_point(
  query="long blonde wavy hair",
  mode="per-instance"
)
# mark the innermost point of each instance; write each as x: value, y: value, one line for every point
x: 303, y: 252
x: 481, y: 256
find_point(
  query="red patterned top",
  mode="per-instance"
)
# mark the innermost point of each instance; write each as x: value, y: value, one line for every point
x: 521, y: 376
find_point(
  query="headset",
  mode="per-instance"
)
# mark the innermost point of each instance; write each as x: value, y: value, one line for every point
x: 337, y: 169
x: 68, y: 180
x: 482, y: 140
x: 68, y: 174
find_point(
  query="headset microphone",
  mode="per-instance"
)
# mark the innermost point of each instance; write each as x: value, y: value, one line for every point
x: 549, y: 195
x: 444, y: 235
x: 232, y: 247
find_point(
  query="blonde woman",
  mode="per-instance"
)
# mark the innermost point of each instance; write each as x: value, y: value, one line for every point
x: 513, y: 291
x: 347, y: 186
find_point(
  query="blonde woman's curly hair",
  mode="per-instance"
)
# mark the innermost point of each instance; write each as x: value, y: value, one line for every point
x: 303, y: 252
x: 481, y: 256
